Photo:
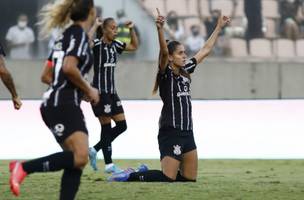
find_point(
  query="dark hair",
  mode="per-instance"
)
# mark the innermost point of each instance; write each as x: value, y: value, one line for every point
x: 172, y: 46
x: 106, y: 21
x: 80, y: 9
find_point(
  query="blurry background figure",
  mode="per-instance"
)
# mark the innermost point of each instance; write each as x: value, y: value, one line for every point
x: 253, y: 11
x: 19, y: 39
x: 195, y: 41
x: 98, y: 11
x: 123, y: 33
x: 222, y: 46
x: 174, y: 28
x: 291, y: 18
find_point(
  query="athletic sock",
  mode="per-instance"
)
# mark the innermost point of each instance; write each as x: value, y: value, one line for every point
x: 106, y: 144
x: 180, y: 178
x: 70, y: 182
x: 54, y: 162
x: 105, y: 129
x: 120, y: 127
x: 149, y: 176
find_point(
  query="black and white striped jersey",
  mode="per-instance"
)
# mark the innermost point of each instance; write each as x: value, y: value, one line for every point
x: 2, y: 51
x: 105, y: 60
x: 73, y: 42
x: 175, y: 93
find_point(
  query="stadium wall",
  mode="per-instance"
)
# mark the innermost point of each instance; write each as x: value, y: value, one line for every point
x: 214, y: 79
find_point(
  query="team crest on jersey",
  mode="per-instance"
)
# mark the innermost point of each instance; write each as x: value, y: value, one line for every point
x: 58, y: 130
x: 118, y: 103
x: 107, y: 108
x: 177, y: 150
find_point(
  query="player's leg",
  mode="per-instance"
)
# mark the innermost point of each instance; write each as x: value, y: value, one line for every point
x: 188, y: 167
x: 70, y: 181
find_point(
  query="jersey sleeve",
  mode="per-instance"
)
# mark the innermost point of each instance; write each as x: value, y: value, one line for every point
x: 76, y: 44
x: 190, y: 65
x: 2, y: 53
x: 120, y: 46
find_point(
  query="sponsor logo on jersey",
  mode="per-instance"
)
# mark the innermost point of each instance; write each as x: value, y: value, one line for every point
x: 118, y: 103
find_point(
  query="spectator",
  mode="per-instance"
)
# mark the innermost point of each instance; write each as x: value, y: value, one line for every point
x: 290, y: 20
x: 253, y: 11
x: 195, y: 41
x: 175, y: 29
x: 19, y: 38
x: 123, y: 33
x: 222, y: 47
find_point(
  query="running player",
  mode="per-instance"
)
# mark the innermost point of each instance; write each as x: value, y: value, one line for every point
x: 176, y: 141
x: 60, y: 109
x: 106, y: 51
x: 8, y: 80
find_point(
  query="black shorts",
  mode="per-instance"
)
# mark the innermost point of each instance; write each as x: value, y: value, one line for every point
x: 174, y: 143
x: 63, y: 121
x: 109, y: 105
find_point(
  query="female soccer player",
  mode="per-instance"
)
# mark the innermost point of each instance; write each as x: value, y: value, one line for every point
x: 176, y: 142
x: 60, y: 110
x: 106, y: 51
x: 8, y: 81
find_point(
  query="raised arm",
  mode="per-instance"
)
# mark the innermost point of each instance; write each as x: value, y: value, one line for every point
x: 91, y: 33
x: 134, y: 39
x: 9, y: 83
x: 206, y: 49
x: 163, y: 51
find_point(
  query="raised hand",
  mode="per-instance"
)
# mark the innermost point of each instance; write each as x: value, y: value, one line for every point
x: 129, y: 24
x: 223, y: 21
x: 160, y: 20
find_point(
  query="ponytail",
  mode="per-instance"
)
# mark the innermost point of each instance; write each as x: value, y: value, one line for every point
x: 61, y: 13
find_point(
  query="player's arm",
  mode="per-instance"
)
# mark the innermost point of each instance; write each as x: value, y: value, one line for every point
x: 47, y: 73
x: 163, y: 51
x: 207, y: 48
x: 9, y: 83
x: 134, y: 39
x: 91, y: 33
x: 72, y: 72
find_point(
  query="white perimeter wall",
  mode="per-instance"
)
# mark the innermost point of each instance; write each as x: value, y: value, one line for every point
x: 223, y: 129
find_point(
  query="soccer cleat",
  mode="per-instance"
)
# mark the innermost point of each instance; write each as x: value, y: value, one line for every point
x: 113, y: 170
x: 122, y: 176
x: 142, y: 168
x: 93, y: 158
x: 17, y: 176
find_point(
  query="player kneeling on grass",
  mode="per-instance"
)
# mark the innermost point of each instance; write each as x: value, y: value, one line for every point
x: 176, y: 141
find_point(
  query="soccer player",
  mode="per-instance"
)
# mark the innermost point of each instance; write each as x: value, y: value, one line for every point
x: 60, y: 109
x: 8, y: 80
x: 176, y: 141
x: 106, y: 52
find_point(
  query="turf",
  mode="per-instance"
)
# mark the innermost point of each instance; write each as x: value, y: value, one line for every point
x: 217, y: 179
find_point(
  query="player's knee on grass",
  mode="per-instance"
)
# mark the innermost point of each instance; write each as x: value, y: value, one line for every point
x: 181, y: 178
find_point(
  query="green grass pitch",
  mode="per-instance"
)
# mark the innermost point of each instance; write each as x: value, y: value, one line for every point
x: 217, y: 179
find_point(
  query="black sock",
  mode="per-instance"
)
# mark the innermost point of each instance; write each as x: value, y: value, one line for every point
x: 106, y: 144
x: 120, y: 127
x: 54, y: 162
x: 104, y: 129
x: 149, y: 176
x: 180, y: 178
x: 70, y: 182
